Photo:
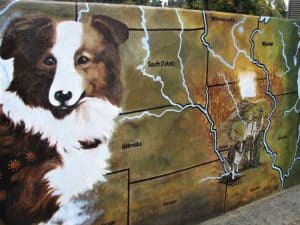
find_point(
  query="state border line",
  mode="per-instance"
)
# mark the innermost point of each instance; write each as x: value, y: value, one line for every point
x: 287, y: 93
x: 207, y: 67
x: 167, y: 29
x: 174, y: 172
x: 117, y: 171
x: 232, y: 82
x: 154, y: 108
x: 225, y: 197
x: 128, y: 197
x: 222, y: 84
x: 128, y: 189
x: 262, y: 78
x: 76, y: 10
x: 145, y: 109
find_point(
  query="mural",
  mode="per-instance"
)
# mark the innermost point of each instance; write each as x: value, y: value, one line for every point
x: 135, y: 115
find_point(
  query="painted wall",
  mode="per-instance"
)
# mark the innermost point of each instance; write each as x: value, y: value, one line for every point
x: 208, y: 119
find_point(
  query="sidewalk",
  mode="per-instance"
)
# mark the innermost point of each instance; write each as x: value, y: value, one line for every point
x: 280, y: 209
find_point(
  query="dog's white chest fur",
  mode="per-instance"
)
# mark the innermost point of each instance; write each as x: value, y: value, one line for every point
x: 81, y: 169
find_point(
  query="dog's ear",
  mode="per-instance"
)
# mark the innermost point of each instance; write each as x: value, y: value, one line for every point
x: 22, y: 33
x: 9, y: 40
x: 118, y: 29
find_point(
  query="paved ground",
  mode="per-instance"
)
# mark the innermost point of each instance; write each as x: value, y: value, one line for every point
x: 280, y: 209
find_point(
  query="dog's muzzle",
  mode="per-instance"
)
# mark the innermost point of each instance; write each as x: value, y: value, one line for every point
x: 62, y: 97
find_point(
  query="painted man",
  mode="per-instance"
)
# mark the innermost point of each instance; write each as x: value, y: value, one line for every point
x: 250, y: 134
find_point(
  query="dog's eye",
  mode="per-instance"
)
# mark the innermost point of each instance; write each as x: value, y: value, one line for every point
x: 82, y: 60
x: 50, y: 61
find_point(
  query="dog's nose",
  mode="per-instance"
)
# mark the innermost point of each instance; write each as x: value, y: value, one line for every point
x: 61, y: 97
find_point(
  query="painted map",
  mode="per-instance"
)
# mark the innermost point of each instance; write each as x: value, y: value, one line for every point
x: 209, y: 116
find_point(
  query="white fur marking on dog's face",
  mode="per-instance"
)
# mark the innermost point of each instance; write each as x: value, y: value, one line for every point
x: 6, y: 73
x: 66, y: 78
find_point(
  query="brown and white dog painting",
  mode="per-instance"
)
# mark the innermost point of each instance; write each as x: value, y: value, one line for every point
x: 60, y: 93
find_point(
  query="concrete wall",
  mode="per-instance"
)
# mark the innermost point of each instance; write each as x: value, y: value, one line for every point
x: 144, y: 115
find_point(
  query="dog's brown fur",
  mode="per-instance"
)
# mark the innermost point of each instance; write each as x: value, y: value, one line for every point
x: 29, y: 199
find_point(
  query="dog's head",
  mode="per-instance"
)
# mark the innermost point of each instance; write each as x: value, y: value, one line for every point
x: 58, y: 64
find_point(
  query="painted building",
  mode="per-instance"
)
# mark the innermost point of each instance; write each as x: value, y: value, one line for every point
x: 294, y: 9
